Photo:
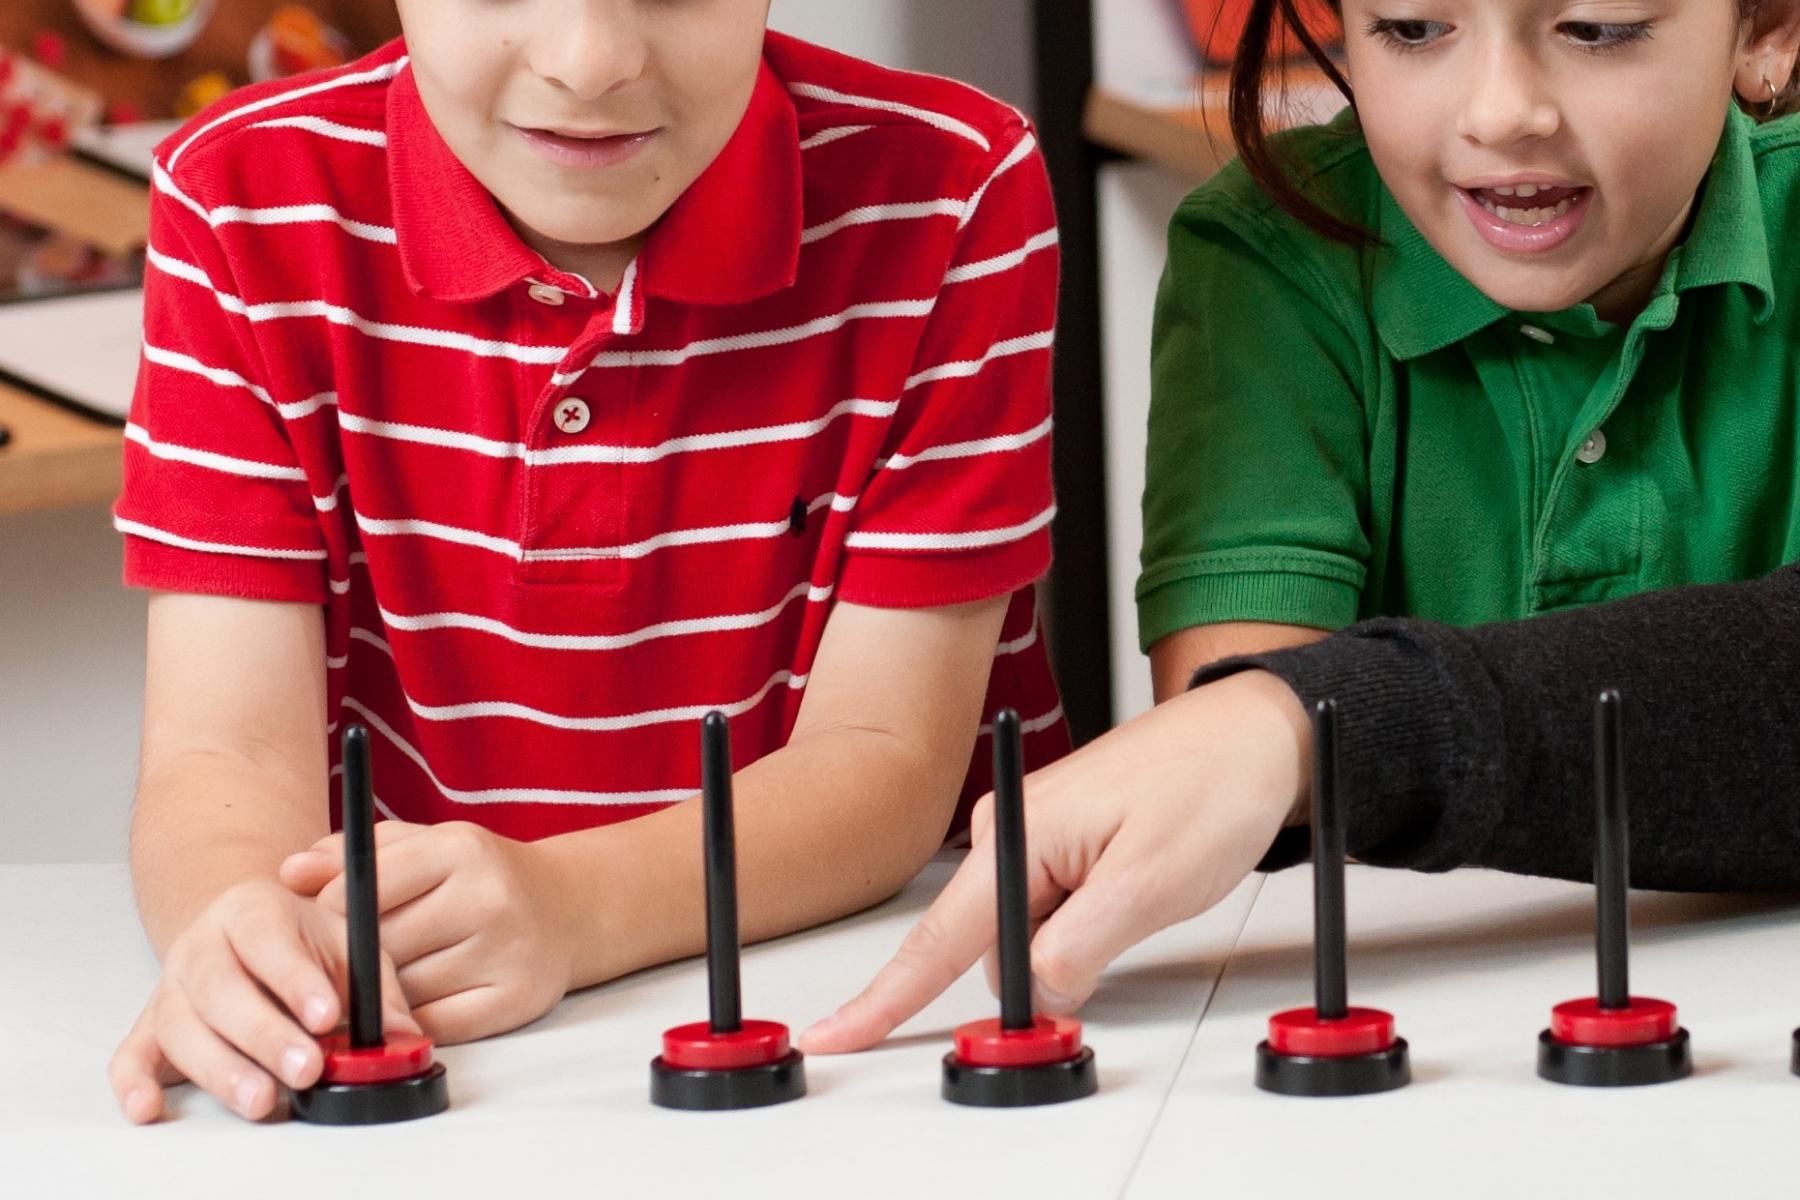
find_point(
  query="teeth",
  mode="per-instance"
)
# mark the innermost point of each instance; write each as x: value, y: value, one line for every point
x: 1527, y: 190
x: 1502, y: 191
x: 1527, y: 216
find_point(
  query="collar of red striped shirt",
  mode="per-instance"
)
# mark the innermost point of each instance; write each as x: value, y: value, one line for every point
x: 732, y: 237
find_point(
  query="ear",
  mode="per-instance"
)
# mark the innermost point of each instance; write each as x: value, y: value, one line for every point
x: 1771, y: 43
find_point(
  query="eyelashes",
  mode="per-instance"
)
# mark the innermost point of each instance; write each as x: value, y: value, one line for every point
x: 1409, y: 36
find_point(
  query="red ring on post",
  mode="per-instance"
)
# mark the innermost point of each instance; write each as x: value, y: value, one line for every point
x: 1300, y: 1033
x: 1584, y: 1023
x: 1049, y: 1040
x: 402, y: 1056
x: 697, y: 1048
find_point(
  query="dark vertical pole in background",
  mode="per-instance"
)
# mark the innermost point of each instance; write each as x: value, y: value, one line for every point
x: 1079, y: 624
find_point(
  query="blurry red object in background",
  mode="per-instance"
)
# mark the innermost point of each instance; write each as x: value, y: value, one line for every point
x: 1218, y: 27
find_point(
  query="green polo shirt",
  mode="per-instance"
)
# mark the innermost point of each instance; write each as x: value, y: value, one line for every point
x: 1337, y: 434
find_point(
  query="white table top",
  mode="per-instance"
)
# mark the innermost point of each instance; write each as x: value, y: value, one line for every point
x: 1470, y: 965
x: 562, y: 1106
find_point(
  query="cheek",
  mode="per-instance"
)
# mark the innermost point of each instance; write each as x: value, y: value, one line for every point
x: 1649, y: 162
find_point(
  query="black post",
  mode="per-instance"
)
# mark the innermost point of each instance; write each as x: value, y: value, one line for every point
x: 721, y: 875
x: 1009, y: 864
x: 1612, y: 929
x: 1078, y: 627
x: 360, y: 900
x: 1331, y: 989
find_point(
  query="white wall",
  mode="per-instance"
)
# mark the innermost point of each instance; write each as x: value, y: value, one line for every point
x: 1140, y: 50
x: 72, y: 640
x: 1136, y: 202
x: 71, y: 674
x: 983, y: 42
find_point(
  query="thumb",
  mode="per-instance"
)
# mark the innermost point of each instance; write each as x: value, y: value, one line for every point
x: 307, y: 872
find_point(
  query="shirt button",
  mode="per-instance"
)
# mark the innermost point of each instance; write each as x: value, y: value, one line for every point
x: 1594, y: 449
x: 543, y: 293
x: 572, y: 416
x: 1538, y: 335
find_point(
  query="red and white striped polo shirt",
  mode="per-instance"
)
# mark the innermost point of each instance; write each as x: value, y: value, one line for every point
x: 552, y: 528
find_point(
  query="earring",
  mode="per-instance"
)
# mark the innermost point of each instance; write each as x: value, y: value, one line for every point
x: 1774, y: 95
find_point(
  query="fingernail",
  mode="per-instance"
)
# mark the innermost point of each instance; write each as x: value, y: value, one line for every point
x: 823, y: 1028
x: 1051, y: 1002
x: 293, y: 1062
x: 246, y: 1095
x: 316, y: 1010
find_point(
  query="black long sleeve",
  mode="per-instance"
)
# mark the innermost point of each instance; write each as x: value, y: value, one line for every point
x: 1474, y: 747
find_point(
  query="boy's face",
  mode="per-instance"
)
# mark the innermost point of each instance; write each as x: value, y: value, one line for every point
x: 1610, y: 109
x: 585, y: 119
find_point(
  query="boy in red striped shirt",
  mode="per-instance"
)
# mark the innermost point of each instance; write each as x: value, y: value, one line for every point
x: 523, y: 392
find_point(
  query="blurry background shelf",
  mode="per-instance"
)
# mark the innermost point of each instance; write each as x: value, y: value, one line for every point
x: 79, y: 198
x: 1187, y: 128
x: 56, y: 458
x: 151, y: 86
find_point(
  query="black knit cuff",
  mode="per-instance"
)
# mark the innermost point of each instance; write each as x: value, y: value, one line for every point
x: 1419, y: 748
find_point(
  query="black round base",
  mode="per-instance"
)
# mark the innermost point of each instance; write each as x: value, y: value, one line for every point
x: 1355, y: 1075
x: 1020, y: 1087
x: 720, y: 1091
x: 373, y: 1103
x: 1614, y: 1066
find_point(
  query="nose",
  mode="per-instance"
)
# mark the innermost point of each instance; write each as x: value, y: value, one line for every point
x: 1508, y: 101
x: 591, y: 47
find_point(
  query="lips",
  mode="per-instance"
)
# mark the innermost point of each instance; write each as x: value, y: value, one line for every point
x: 1526, y: 218
x: 584, y: 150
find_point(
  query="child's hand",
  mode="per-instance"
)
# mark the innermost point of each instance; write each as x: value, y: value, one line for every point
x: 1151, y: 824
x: 473, y: 921
x: 242, y: 987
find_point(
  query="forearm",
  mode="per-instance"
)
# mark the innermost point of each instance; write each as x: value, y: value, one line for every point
x: 1474, y: 746
x: 834, y: 822
x: 203, y: 823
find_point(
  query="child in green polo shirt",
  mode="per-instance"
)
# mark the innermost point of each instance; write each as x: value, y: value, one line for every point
x: 1513, y: 343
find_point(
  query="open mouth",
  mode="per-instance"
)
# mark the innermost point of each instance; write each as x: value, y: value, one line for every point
x: 1527, y: 204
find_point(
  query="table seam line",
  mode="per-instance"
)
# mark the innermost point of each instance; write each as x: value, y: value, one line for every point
x: 1162, y: 1105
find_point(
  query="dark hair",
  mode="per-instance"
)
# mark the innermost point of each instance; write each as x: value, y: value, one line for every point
x: 1250, y: 69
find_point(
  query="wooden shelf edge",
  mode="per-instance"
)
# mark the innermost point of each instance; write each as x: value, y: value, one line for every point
x: 1184, y: 140
x: 55, y: 459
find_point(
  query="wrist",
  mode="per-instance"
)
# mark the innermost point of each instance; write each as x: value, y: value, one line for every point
x: 1281, y: 728
x: 584, y: 885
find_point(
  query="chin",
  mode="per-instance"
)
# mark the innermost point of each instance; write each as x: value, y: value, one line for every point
x: 587, y: 228
x: 1530, y: 295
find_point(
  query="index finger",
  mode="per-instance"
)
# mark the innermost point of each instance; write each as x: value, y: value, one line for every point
x: 953, y: 933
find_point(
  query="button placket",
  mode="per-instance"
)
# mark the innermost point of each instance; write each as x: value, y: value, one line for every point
x: 569, y: 504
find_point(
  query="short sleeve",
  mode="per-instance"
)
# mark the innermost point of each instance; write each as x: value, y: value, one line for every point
x: 1256, y: 476
x: 214, y: 500
x: 960, y: 504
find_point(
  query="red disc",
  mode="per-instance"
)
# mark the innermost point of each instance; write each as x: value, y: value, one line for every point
x: 1049, y: 1040
x: 402, y: 1056
x: 697, y: 1048
x: 1584, y: 1023
x: 1301, y: 1033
